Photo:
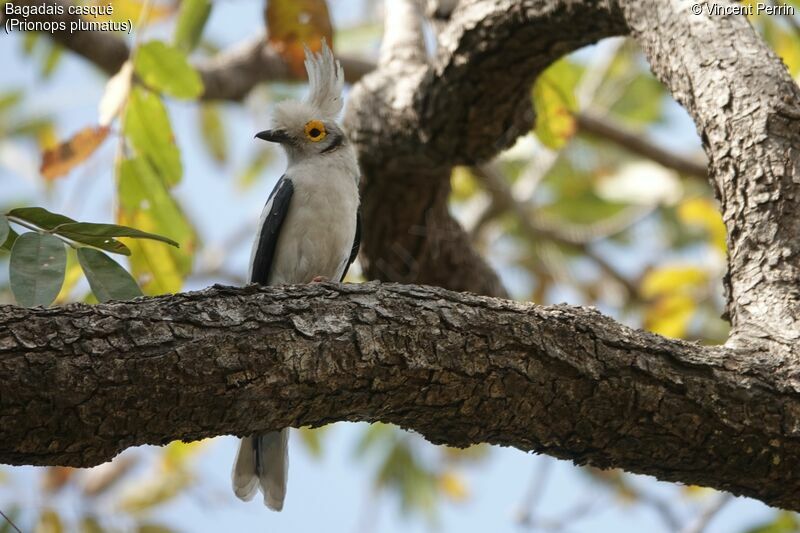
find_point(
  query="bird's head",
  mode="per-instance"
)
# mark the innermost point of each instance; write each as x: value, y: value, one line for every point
x: 309, y: 127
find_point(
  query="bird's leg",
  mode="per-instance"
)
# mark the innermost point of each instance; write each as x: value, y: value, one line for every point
x: 320, y: 279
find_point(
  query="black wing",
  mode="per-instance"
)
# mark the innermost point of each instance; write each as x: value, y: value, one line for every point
x: 267, y: 239
x: 356, y: 245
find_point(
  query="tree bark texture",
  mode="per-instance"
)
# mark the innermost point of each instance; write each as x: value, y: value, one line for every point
x: 81, y: 383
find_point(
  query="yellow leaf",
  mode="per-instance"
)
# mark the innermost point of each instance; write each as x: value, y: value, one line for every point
x: 49, y: 522
x: 64, y: 157
x: 787, y: 46
x: 703, y: 213
x: 131, y: 10
x: 670, y: 315
x: 670, y: 280
x: 554, y: 102
x: 293, y: 23
x: 176, y: 454
x: 453, y: 486
x: 464, y: 184
x: 146, y: 204
x: 152, y: 263
x: 696, y: 493
x: 71, y: 277
x: 476, y: 452
x: 146, y: 495
x: 47, y: 137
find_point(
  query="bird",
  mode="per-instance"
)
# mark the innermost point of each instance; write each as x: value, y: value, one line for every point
x: 309, y: 231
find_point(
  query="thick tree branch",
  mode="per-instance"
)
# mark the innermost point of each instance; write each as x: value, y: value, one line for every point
x: 747, y: 109
x: 81, y: 383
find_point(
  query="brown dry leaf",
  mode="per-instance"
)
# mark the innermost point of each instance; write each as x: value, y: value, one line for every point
x: 102, y: 477
x: 55, y: 477
x: 294, y: 23
x: 60, y: 160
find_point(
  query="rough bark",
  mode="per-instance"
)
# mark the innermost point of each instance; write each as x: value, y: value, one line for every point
x: 82, y: 383
x: 747, y: 109
x: 413, y: 119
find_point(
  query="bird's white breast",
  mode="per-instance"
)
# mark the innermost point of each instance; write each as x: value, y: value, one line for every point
x: 317, y: 236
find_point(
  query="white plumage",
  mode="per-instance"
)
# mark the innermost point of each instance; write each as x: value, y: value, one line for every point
x: 309, y: 229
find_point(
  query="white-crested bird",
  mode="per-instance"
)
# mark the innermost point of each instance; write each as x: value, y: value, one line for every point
x: 309, y: 231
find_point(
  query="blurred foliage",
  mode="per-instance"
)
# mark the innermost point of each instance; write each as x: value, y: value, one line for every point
x: 121, y: 495
x: 419, y: 479
x: 294, y: 24
x: 594, y: 224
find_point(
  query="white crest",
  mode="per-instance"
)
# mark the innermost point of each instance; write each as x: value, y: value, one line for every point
x: 325, y: 80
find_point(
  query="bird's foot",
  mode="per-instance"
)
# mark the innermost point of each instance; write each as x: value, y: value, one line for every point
x: 320, y: 279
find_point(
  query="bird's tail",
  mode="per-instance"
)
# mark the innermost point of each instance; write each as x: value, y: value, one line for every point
x: 263, y: 461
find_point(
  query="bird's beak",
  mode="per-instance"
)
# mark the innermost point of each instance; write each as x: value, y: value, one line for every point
x: 273, y: 136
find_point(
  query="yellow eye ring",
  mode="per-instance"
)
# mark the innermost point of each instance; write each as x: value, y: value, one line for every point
x: 315, y: 131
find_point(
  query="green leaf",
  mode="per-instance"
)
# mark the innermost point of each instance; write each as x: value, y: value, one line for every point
x: 213, y: 129
x: 146, y: 203
x: 13, y: 514
x: 312, y: 438
x: 108, y: 280
x: 554, y: 101
x: 377, y: 433
x: 102, y: 243
x: 642, y: 101
x: 37, y: 269
x: 784, y: 522
x: 9, y: 99
x: 39, y: 218
x: 50, y: 522
x: 154, y: 528
x: 10, y: 240
x: 148, y: 128
x: 5, y: 230
x: 254, y: 168
x: 80, y: 230
x: 90, y: 524
x: 191, y: 21
x: 29, y: 42
x: 167, y: 70
x: 51, y: 60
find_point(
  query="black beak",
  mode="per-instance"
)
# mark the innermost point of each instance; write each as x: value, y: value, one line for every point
x: 273, y: 136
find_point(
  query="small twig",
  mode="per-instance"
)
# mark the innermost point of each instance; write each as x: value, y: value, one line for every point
x: 7, y: 519
x: 605, y: 129
x: 699, y: 524
x: 535, y: 491
x: 663, y: 509
x: 501, y: 194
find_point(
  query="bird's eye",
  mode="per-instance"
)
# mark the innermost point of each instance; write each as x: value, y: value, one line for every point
x: 315, y: 131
